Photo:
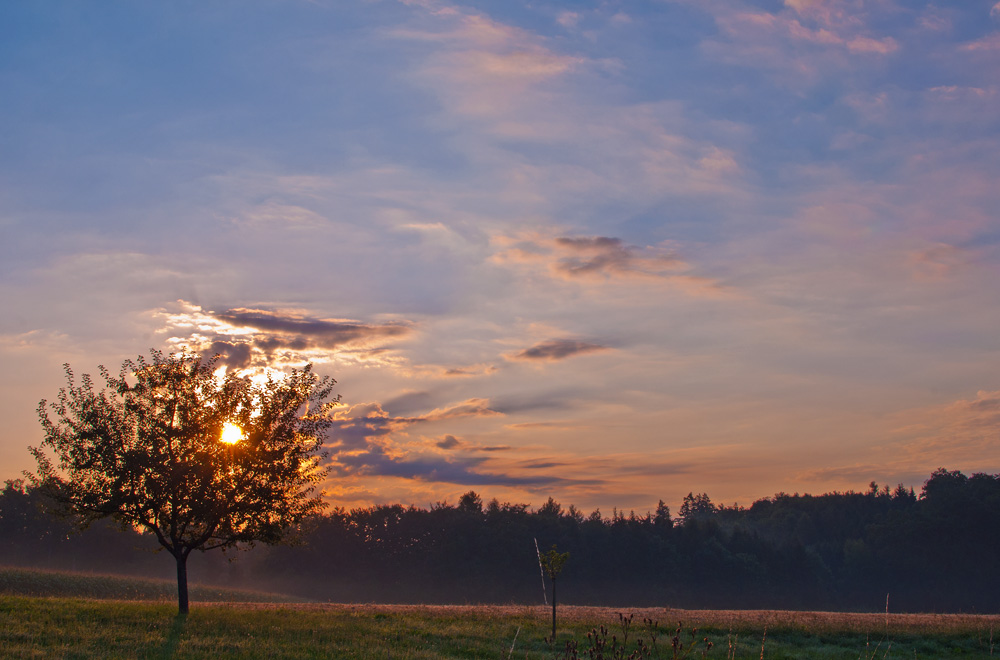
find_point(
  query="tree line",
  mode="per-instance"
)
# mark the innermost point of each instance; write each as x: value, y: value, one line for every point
x: 938, y: 550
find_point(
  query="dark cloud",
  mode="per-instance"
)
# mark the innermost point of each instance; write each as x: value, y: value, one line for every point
x: 989, y: 403
x: 273, y: 344
x: 542, y: 465
x: 602, y: 254
x: 448, y: 442
x: 558, y: 349
x: 477, y: 370
x: 409, y: 402
x: 233, y: 355
x: 356, y: 426
x: 290, y: 332
x: 591, y: 243
x: 451, y: 442
x: 361, y: 437
x: 376, y: 462
x: 599, y: 253
x: 567, y: 399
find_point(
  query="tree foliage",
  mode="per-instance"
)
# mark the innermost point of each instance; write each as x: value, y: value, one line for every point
x: 552, y: 562
x: 146, y: 451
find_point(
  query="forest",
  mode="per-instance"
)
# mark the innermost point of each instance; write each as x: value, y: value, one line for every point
x: 933, y: 551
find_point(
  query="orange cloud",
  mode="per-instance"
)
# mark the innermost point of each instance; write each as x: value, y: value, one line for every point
x: 964, y: 432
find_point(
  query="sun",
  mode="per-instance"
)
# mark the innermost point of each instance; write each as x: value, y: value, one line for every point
x: 231, y: 433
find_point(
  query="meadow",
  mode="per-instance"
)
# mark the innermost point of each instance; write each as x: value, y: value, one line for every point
x: 59, y: 615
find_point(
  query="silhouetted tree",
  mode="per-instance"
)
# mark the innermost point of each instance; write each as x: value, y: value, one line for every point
x: 147, y: 451
x: 662, y: 516
x: 552, y: 563
x: 696, y: 507
x: 471, y: 503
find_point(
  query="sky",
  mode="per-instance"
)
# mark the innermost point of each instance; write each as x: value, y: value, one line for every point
x: 609, y: 252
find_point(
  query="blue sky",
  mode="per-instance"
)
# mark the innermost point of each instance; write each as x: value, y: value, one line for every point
x: 609, y: 252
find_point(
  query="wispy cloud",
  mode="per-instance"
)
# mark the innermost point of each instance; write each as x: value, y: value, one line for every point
x: 357, y: 424
x: 984, y: 45
x: 436, y: 469
x: 603, y: 255
x: 800, y: 40
x: 598, y: 259
x: 558, y: 349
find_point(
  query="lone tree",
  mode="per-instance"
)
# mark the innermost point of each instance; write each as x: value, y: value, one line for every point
x: 552, y: 563
x: 198, y: 460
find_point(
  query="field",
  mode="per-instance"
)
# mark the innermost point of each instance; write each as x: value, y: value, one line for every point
x: 33, y: 625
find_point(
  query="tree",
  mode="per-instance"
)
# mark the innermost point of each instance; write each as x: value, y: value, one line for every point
x: 552, y: 563
x: 150, y: 452
x: 662, y: 516
x: 697, y: 507
x: 471, y: 503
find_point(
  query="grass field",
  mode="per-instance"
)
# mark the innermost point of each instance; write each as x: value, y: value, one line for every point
x: 34, y: 626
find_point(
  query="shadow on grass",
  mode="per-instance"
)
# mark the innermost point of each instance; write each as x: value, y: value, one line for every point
x: 169, y: 647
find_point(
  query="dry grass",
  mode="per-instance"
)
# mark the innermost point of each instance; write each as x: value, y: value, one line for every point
x: 815, y: 622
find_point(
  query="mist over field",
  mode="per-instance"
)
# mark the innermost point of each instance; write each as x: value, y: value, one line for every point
x: 856, y: 551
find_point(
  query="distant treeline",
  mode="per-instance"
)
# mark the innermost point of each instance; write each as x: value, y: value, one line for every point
x: 939, y: 551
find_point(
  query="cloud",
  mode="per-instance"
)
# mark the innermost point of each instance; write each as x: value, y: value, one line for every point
x: 604, y: 255
x: 545, y: 426
x: 467, y: 408
x: 357, y: 424
x: 233, y: 355
x: 583, y: 256
x: 448, y: 442
x: 568, y: 19
x: 982, y: 412
x: 987, y: 44
x: 938, y: 262
x: 471, y: 370
x: 542, y: 465
x: 376, y: 461
x: 962, y: 433
x: 601, y: 259
x: 323, y: 333
x: 802, y: 40
x: 862, y: 44
x: 250, y: 337
x: 485, y: 67
x: 862, y: 473
x: 558, y: 349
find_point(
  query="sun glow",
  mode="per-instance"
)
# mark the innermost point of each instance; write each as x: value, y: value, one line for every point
x: 231, y: 433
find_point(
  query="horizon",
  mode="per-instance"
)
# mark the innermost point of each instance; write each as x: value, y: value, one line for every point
x: 608, y: 255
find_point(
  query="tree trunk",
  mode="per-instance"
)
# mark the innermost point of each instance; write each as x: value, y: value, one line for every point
x: 182, y: 582
x: 553, y: 610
